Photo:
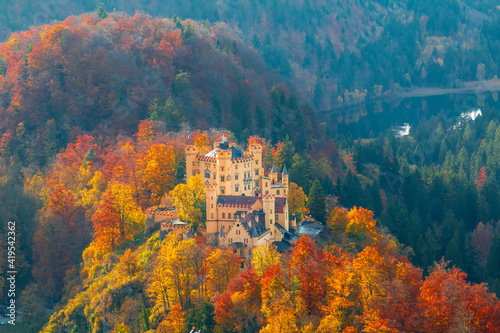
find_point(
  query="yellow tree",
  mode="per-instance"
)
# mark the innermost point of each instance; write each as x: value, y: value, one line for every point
x: 222, y: 266
x: 362, y: 225
x: 117, y: 218
x: 129, y: 263
x: 159, y: 291
x: 265, y: 256
x: 339, y: 303
x: 338, y: 220
x: 297, y: 200
x: 174, y: 277
x: 281, y: 319
x: 202, y: 142
x: 189, y: 199
x: 157, y: 170
x: 89, y: 197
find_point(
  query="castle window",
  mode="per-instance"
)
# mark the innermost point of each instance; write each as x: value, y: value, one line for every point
x: 267, y: 192
x: 221, y: 178
x: 212, y: 206
x: 194, y: 163
x: 212, y: 215
x: 256, y: 162
x: 228, y: 177
x: 207, y: 174
x: 246, y: 240
x: 271, y: 222
x: 276, y: 217
x: 223, y: 215
x: 277, y: 192
x: 236, y: 166
x: 266, y: 184
x: 194, y: 172
x: 222, y: 189
x: 236, y: 188
x: 245, y: 186
x: 256, y: 172
x: 215, y: 176
x: 221, y: 168
x: 228, y: 215
x: 235, y: 176
x: 284, y: 191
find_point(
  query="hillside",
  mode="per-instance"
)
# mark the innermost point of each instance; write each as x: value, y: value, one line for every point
x: 325, y: 48
x: 97, y: 108
x: 85, y: 74
x: 177, y: 284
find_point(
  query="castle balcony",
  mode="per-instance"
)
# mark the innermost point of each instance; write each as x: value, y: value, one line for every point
x: 248, y: 179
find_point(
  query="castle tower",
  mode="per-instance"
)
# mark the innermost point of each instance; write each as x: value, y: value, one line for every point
x: 191, y: 161
x: 224, y: 170
x: 256, y: 151
x: 268, y: 206
x: 274, y: 175
x: 284, y: 180
x: 212, y: 226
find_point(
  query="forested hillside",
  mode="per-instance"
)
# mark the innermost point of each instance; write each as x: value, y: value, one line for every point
x: 104, y: 75
x: 97, y: 108
x: 333, y: 52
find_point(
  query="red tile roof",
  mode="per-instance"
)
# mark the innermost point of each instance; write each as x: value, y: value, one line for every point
x: 279, y: 205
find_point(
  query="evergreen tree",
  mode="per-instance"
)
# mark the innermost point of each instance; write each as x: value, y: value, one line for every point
x: 301, y: 171
x: 317, y: 202
x: 202, y: 318
x: 188, y: 31
x: 454, y: 254
x: 101, y: 12
x: 286, y: 154
x: 268, y: 158
x: 493, y: 260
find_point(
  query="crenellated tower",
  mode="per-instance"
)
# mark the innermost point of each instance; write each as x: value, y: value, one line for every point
x: 212, y: 225
x: 192, y: 163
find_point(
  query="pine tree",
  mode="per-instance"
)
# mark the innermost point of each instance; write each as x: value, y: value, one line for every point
x: 101, y: 12
x: 286, y: 154
x: 493, y: 260
x: 316, y: 202
x: 188, y: 31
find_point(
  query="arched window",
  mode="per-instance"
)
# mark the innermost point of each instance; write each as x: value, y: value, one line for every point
x: 207, y: 174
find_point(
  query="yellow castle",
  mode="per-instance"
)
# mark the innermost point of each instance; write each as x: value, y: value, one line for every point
x: 246, y: 206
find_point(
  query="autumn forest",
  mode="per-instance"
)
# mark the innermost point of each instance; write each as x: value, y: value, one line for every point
x: 98, y: 103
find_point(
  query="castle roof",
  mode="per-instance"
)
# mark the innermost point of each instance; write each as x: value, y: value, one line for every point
x: 236, y: 201
x: 274, y: 169
x: 285, y: 171
x: 224, y: 145
x: 254, y: 223
x: 237, y: 244
x: 279, y: 204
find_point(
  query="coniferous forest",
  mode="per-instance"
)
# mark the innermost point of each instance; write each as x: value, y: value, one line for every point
x: 384, y: 114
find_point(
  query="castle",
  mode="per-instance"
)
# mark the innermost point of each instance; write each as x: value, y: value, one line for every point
x: 246, y: 206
